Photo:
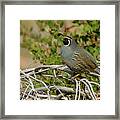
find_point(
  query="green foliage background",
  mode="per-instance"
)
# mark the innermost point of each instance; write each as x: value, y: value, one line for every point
x: 41, y: 39
x: 45, y: 46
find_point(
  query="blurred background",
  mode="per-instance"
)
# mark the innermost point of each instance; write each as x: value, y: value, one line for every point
x: 40, y: 43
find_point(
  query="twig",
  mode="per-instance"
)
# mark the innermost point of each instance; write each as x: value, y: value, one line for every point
x: 95, y: 83
x: 89, y: 86
x: 79, y: 91
x: 59, y: 91
x: 41, y: 67
x: 25, y: 91
x: 76, y: 89
x: 29, y: 76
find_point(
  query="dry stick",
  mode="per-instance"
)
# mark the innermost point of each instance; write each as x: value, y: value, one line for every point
x: 59, y: 67
x: 83, y: 95
x: 79, y: 90
x: 42, y: 66
x: 28, y: 94
x: 31, y: 84
x: 76, y: 89
x: 94, y: 74
x: 28, y: 77
x: 52, y: 96
x: 48, y: 90
x: 64, y: 89
x: 89, y: 89
x: 31, y: 96
x: 25, y: 83
x: 48, y: 75
x: 40, y: 71
x: 34, y: 74
x: 24, y: 79
x: 25, y: 91
x: 59, y: 91
x: 95, y: 83
x: 89, y: 86
x: 36, y: 95
x: 54, y: 73
x: 55, y: 76
x: 38, y: 81
x: 87, y: 92
x: 34, y: 79
x: 65, y: 77
x: 50, y: 66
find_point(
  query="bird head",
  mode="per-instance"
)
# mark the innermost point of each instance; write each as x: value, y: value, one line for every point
x: 68, y: 41
x: 70, y: 45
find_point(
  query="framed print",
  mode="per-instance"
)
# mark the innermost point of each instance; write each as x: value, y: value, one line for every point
x: 59, y: 59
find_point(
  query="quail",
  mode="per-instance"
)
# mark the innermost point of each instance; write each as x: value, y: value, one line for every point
x: 76, y: 58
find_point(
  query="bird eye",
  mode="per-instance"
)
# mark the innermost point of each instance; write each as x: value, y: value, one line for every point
x: 66, y: 41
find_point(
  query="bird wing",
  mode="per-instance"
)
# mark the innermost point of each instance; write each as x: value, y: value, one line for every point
x: 84, y: 60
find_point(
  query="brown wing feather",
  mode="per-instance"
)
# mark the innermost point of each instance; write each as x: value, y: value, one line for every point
x: 83, y: 60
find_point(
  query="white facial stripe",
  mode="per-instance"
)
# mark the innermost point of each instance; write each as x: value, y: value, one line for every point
x: 69, y: 42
